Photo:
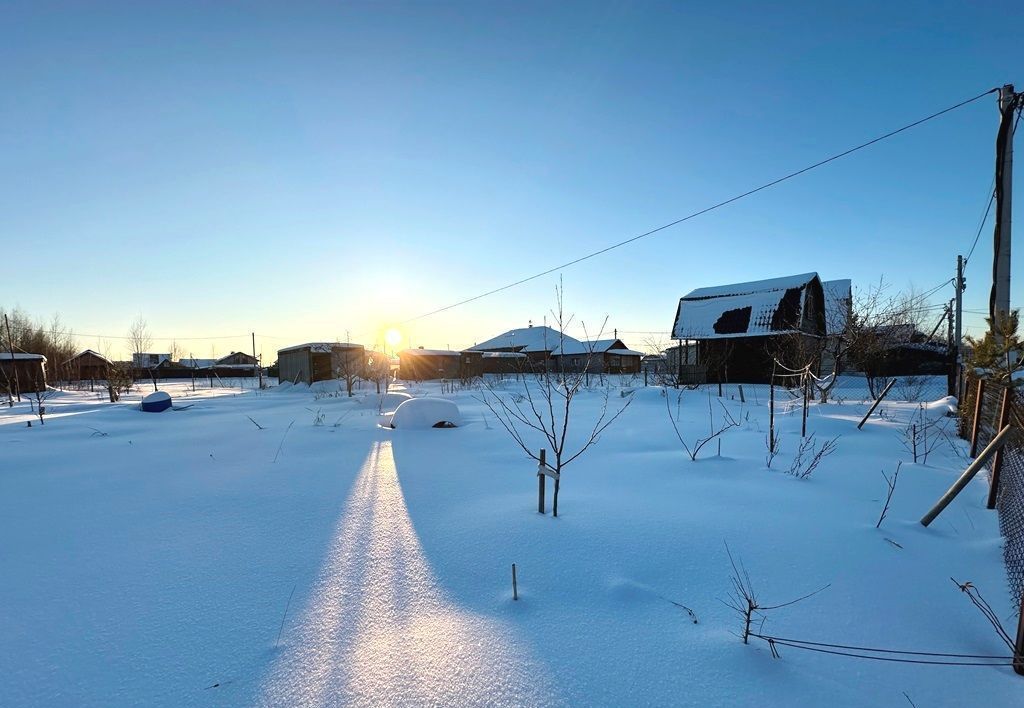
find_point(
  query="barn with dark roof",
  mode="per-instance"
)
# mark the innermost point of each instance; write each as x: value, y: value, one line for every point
x: 741, y: 329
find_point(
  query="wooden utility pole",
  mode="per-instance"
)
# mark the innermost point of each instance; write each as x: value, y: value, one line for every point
x: 14, y: 363
x: 259, y: 369
x: 958, y: 328
x: 999, y: 300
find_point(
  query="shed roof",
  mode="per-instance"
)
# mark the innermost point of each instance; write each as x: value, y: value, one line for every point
x: 321, y: 347
x: 22, y: 356
x: 758, y: 308
x: 427, y: 352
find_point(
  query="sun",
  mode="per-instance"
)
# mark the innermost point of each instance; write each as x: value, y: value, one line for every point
x: 392, y: 337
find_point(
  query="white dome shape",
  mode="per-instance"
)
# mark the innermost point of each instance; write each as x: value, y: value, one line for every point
x: 426, y: 413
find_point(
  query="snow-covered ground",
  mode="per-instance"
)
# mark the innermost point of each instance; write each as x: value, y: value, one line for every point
x: 149, y: 558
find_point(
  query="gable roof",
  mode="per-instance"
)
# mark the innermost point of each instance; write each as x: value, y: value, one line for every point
x: 597, y: 346
x: 758, y: 308
x: 321, y: 347
x: 526, y: 339
x: 89, y: 352
x: 838, y: 303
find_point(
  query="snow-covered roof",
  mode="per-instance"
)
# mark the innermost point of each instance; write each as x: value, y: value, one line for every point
x: 321, y: 347
x: 838, y: 301
x: 428, y: 352
x: 625, y: 352
x: 88, y: 352
x: 195, y: 363
x: 526, y: 339
x: 764, y: 307
x: 22, y: 356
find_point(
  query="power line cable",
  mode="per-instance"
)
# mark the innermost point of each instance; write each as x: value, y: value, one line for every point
x: 705, y: 210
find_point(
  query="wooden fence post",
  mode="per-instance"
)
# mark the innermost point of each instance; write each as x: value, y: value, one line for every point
x: 771, y: 416
x: 742, y: 399
x: 997, y: 461
x: 540, y: 482
x: 803, y: 424
x: 967, y: 476
x: 976, y: 423
x: 515, y: 587
x: 875, y: 404
x: 1018, y: 649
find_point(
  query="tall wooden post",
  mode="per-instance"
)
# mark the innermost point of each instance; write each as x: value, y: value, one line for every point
x: 771, y: 416
x: 997, y: 460
x: 259, y: 369
x: 976, y: 423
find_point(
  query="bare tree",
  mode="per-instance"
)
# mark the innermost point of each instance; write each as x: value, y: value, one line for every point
x: 727, y: 423
x: 546, y: 406
x: 139, y: 338
x: 350, y: 367
x: 891, y: 484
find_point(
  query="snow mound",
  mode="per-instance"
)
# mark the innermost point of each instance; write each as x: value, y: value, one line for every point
x: 942, y: 407
x: 392, y: 400
x: 426, y: 413
x: 156, y: 402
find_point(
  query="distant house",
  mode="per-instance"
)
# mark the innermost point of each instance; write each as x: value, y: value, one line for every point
x: 504, y: 362
x: 146, y: 360
x: 601, y: 356
x: 23, y: 372
x: 426, y: 364
x: 536, y: 343
x: 654, y: 363
x: 320, y: 361
x: 740, y: 330
x: 237, y: 360
x: 87, y: 366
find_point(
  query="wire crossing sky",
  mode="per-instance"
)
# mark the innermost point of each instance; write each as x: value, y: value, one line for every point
x: 330, y: 168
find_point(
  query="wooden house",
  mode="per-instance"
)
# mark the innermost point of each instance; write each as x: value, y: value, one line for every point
x: 239, y: 359
x: 22, y: 372
x: 86, y: 366
x: 320, y: 361
x: 600, y: 356
x: 535, y: 343
x: 741, y: 330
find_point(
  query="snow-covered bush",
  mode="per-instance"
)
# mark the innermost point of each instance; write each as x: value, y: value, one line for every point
x: 426, y: 413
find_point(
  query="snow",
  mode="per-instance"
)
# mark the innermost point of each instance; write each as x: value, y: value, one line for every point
x: 150, y: 560
x: 93, y: 352
x: 625, y: 352
x: 21, y: 356
x: 425, y: 413
x: 504, y: 355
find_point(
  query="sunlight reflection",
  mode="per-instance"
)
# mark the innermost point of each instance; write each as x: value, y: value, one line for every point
x: 379, y: 630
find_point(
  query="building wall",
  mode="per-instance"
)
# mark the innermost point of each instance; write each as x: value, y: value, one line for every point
x: 426, y: 367
x: 31, y: 375
x: 294, y: 366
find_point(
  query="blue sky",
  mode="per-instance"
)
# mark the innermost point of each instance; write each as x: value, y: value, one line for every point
x: 316, y: 171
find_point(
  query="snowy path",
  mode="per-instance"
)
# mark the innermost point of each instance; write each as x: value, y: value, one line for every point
x: 379, y: 630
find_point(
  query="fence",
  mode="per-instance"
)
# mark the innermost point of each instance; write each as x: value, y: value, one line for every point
x: 980, y: 420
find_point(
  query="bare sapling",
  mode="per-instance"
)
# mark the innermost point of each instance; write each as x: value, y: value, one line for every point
x: 771, y: 442
x: 981, y: 603
x: 744, y: 601
x: 545, y: 408
x: 728, y: 422
x: 923, y: 434
x: 891, y: 484
x: 809, y: 456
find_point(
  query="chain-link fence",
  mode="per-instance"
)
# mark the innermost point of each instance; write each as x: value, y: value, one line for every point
x: 980, y: 421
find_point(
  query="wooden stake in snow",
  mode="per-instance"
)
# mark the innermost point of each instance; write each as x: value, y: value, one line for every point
x: 967, y: 476
x: 540, y: 481
x: 874, y: 405
x: 515, y: 587
x: 771, y: 415
x: 742, y: 399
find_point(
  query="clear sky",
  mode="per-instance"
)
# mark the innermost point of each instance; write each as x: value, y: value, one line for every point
x: 319, y: 171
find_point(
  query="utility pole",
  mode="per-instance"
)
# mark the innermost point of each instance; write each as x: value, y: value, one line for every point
x: 259, y: 369
x: 999, y: 301
x: 953, y: 346
x: 958, y: 334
